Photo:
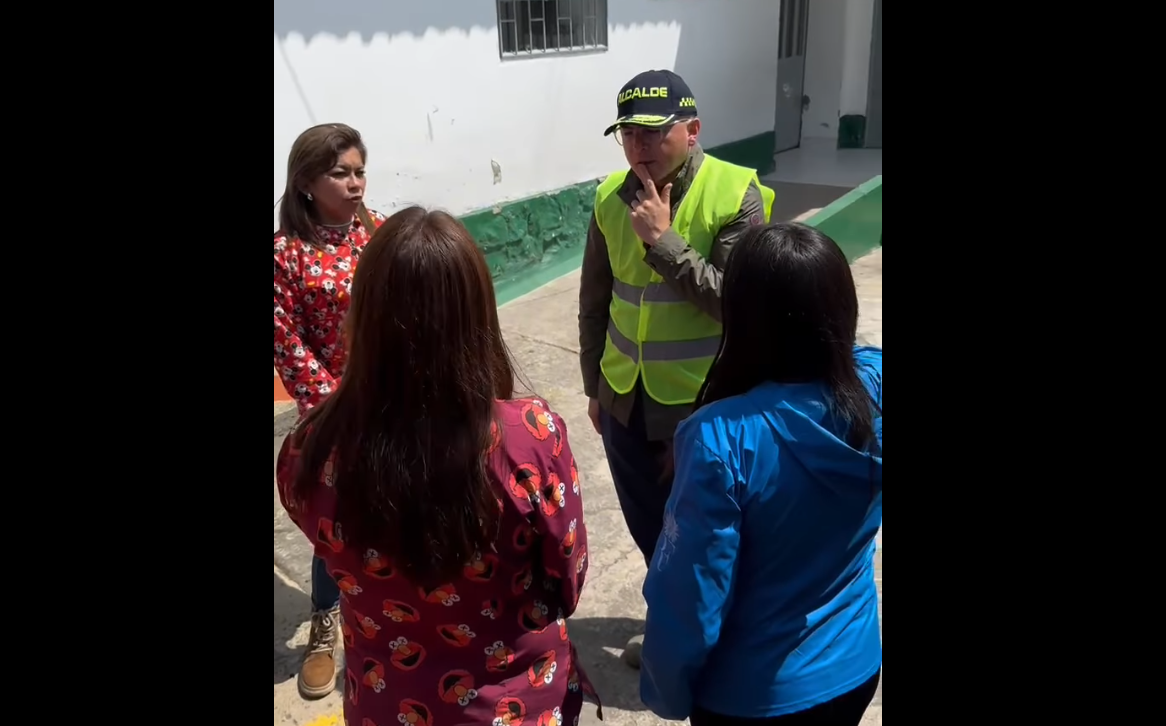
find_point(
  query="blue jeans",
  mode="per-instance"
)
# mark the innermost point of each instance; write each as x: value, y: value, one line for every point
x: 325, y: 592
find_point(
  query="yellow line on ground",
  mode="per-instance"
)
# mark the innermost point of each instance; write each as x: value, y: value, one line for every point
x: 331, y: 720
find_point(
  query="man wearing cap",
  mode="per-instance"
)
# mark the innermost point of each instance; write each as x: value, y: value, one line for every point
x: 650, y: 294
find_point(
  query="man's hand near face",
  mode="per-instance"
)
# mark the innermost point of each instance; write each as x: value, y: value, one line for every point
x: 651, y: 212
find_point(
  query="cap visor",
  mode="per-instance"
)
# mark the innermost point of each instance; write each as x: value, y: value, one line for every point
x: 640, y: 120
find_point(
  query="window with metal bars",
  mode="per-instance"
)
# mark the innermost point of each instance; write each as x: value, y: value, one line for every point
x: 537, y: 27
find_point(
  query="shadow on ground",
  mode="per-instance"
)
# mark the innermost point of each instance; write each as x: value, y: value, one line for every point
x: 595, y: 640
x: 292, y: 608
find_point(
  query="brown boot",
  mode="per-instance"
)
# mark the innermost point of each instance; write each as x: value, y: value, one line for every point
x: 318, y: 671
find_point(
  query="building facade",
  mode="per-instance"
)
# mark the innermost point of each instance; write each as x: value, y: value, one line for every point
x: 495, y: 111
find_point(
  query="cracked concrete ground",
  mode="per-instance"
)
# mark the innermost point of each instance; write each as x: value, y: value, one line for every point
x: 542, y: 333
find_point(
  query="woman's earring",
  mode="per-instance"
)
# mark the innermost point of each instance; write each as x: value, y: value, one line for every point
x: 309, y: 196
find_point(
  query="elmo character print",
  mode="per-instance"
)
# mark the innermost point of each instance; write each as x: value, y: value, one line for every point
x: 562, y: 623
x: 456, y: 635
x: 525, y: 483
x: 554, y: 717
x: 442, y: 595
x: 573, y: 681
x: 522, y: 580
x: 509, y: 712
x: 553, y: 493
x: 523, y: 537
x: 377, y: 566
x: 328, y: 534
x: 495, y: 437
x: 346, y: 582
x: 407, y: 655
x: 498, y: 657
x: 367, y: 627
x: 414, y: 713
x: 346, y: 633
x: 350, y: 686
x: 541, y: 425
x: 574, y: 478
x: 533, y: 617
x: 329, y: 473
x: 457, y: 687
x: 400, y: 612
x: 492, y: 608
x: 481, y: 568
x: 374, y: 675
x: 542, y: 671
x: 567, y: 546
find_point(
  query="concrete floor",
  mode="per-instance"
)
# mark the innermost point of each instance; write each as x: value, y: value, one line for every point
x: 815, y: 174
x: 798, y: 201
x: 542, y: 333
x: 821, y: 162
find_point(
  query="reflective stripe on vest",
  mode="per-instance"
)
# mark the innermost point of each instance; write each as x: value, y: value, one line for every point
x: 653, y: 332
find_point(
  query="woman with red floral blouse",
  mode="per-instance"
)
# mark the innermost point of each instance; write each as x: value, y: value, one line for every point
x: 448, y: 511
x: 323, y: 229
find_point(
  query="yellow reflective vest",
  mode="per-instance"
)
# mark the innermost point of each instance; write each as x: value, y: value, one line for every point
x: 654, y: 333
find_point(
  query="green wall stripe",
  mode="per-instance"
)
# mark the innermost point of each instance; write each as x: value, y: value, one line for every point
x: 532, y: 241
x: 854, y: 221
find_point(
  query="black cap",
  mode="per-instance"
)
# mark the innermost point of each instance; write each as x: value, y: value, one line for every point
x: 653, y: 98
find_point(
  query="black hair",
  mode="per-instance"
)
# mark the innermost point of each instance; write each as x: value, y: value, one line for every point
x: 790, y: 314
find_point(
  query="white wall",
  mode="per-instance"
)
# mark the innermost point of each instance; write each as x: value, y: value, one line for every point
x: 856, y: 38
x: 837, y: 63
x: 425, y: 86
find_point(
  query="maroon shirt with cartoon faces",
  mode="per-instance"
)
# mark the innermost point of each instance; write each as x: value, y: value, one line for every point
x: 492, y: 646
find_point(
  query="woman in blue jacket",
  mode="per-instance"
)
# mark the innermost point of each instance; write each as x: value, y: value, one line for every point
x: 761, y: 595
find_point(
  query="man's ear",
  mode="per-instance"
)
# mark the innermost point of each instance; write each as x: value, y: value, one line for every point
x: 693, y: 131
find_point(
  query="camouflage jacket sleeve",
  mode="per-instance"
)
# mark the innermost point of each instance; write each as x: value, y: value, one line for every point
x: 594, y: 307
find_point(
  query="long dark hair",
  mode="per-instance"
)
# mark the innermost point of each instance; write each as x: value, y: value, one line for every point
x: 313, y: 153
x: 790, y: 314
x: 410, y: 423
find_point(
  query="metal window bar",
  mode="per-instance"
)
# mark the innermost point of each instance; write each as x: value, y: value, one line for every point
x: 562, y: 26
x: 570, y: 24
x: 589, y: 21
x: 530, y: 21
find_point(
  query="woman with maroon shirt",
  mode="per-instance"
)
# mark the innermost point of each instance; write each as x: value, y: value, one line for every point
x: 448, y: 511
x: 323, y: 228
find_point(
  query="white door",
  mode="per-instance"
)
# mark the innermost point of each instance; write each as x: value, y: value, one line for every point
x: 791, y: 72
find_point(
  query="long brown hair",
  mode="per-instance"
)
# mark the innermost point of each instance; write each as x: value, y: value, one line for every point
x: 410, y: 422
x: 313, y: 153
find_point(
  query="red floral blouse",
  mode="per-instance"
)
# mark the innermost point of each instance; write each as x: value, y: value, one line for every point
x: 491, y: 647
x: 313, y: 287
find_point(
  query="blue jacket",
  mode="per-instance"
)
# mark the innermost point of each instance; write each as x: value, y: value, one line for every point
x: 761, y: 593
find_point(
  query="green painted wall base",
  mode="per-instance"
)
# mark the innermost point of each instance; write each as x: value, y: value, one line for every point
x: 755, y: 152
x: 532, y: 241
x: 855, y: 221
x: 851, y: 131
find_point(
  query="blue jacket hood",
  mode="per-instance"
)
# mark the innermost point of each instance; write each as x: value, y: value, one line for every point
x: 816, y: 439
